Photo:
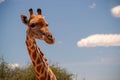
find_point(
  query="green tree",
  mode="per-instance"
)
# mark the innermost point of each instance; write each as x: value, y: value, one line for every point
x: 4, y: 70
x: 27, y: 72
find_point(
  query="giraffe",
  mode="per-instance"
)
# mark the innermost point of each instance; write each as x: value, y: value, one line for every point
x: 37, y: 28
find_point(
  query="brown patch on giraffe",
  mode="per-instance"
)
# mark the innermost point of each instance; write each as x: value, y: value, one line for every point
x: 34, y: 55
x: 39, y: 68
x: 38, y: 60
x: 43, y: 78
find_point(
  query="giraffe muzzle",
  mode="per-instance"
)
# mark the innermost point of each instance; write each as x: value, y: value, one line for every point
x: 49, y: 37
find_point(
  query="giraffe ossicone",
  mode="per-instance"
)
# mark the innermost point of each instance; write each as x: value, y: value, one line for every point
x: 37, y: 28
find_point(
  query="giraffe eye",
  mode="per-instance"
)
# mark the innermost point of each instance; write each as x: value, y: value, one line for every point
x: 32, y: 25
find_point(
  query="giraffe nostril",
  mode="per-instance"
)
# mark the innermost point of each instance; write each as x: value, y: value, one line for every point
x: 49, y: 36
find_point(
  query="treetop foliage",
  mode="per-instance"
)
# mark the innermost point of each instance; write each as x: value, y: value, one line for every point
x: 27, y: 72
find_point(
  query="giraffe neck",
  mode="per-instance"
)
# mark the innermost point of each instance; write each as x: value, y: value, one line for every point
x: 42, y: 70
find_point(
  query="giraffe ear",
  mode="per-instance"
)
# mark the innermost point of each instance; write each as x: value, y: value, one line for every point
x: 24, y: 19
x: 39, y: 11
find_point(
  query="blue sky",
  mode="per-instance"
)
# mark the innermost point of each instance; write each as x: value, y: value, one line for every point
x: 87, y: 34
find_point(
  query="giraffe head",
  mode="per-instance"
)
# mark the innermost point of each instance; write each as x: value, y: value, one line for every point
x: 37, y: 27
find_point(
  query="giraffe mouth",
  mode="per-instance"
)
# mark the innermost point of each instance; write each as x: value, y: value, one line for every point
x: 50, y: 39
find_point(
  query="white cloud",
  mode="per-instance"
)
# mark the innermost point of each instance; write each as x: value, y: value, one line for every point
x: 100, y: 40
x: 93, y: 5
x: 116, y: 11
x: 2, y: 1
x: 15, y: 65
